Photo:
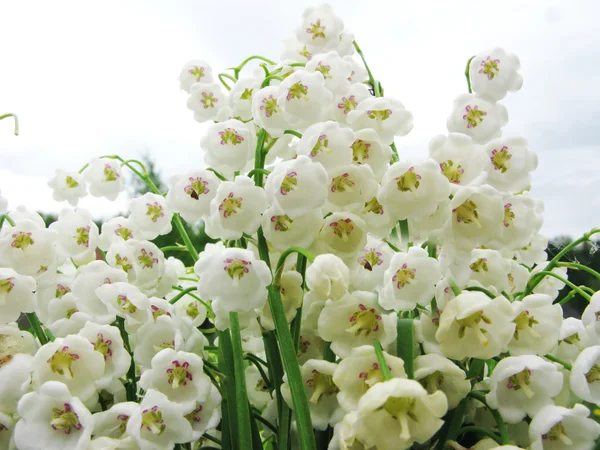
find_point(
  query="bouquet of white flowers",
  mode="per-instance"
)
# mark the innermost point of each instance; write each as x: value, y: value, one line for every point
x: 354, y: 299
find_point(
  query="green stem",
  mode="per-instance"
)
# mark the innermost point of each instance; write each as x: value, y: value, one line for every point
x: 4, y: 217
x: 467, y: 75
x: 255, y: 360
x: 480, y: 430
x: 174, y: 248
x: 580, y: 291
x: 242, y: 411
x: 504, y: 438
x: 480, y: 289
x: 267, y: 80
x: 404, y: 233
x: 259, y: 157
x: 568, y: 297
x: 276, y: 372
x: 16, y: 119
x: 371, y: 78
x: 566, y: 365
x: 294, y: 133
x: 228, y: 405
x: 281, y: 262
x: 131, y: 387
x: 265, y: 422
x: 405, y: 345
x: 385, y: 371
x: 577, y: 266
x: 237, y: 70
x: 475, y: 370
x: 225, y: 75
x: 37, y: 327
x: 392, y: 246
x: 186, y: 238
x: 181, y: 294
x: 455, y: 289
x: 395, y: 157
x: 219, y: 175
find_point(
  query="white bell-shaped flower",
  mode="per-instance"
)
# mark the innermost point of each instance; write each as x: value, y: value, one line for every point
x: 488, y: 269
x: 297, y: 186
x: 461, y: 161
x: 386, y: 115
x: 71, y: 360
x: 15, y: 372
x: 267, y: 113
x: 472, y: 325
x: 558, y: 428
x: 517, y: 277
x: 206, y: 100
x: 355, y: 320
x: 413, y: 189
x: 191, y: 192
x: 104, y: 178
x: 189, y: 307
x: 67, y: 186
x: 21, y: 212
x: 77, y: 233
x: 117, y: 229
x: 327, y: 143
x: 435, y: 372
x: 53, y: 418
x: 328, y: 277
x: 320, y: 28
x: 394, y: 414
x: 126, y: 301
x: 368, y: 268
x: 304, y: 98
x: 477, y: 117
x: 283, y: 232
x: 585, y: 375
x: 523, y: 218
x: 17, y: 295
x: 509, y: 164
x: 28, y: 248
x: 236, y: 209
x: 155, y: 336
x: 426, y: 327
x: 550, y: 285
x: 179, y: 376
x: 367, y: 149
x: 241, y: 95
x: 342, y: 233
x: 158, y: 423
x: 409, y: 280
x: 232, y: 277
x: 206, y: 415
x: 292, y: 295
x: 107, y: 341
x: 344, y: 102
x: 258, y: 391
x: 493, y: 73
x: 359, y: 371
x: 321, y: 391
x: 534, y: 252
x: 538, y: 323
x: 194, y: 71
x: 228, y: 146
x: 334, y: 69
x: 64, y: 317
x: 350, y: 188
x: 571, y: 341
x: 151, y: 214
x: 522, y: 385
x: 112, y: 423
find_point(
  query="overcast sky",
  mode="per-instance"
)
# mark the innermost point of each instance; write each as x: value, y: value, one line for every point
x: 95, y: 78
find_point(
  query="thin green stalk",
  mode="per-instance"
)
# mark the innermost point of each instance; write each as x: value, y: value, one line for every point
x: 244, y: 428
x: 577, y: 266
x: 371, y: 78
x: 16, y: 119
x: 228, y: 404
x: 6, y: 217
x: 395, y: 157
x: 225, y: 75
x: 276, y: 372
x: 404, y: 233
x: 259, y: 157
x: 454, y: 287
x: 475, y: 370
x: 504, y: 438
x: 567, y: 282
x: 392, y: 246
x: 219, y: 175
x: 568, y: 297
x: 257, y: 415
x: 385, y: 371
x: 237, y: 70
x: 263, y: 171
x: 181, y: 294
x: 268, y: 80
x: 467, y: 75
x: 293, y: 133
x: 566, y: 365
x: 405, y: 345
x: 174, y: 248
x: 186, y: 238
x: 250, y: 357
x: 480, y: 289
x: 131, y: 387
x: 281, y: 262
x: 37, y: 327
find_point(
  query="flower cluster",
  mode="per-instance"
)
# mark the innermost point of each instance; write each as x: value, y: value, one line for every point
x: 420, y: 309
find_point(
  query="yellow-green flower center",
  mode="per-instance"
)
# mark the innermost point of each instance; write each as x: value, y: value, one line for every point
x: 316, y: 29
x: 197, y: 72
x: 467, y: 213
x: 230, y: 136
x: 154, y: 210
x: 432, y: 382
x: 152, y: 421
x: 593, y: 374
x: 61, y: 362
x: 342, y: 229
x: 379, y: 114
x: 452, y: 172
x: 521, y: 381
x: 365, y: 320
x: 22, y: 240
x: 480, y: 265
x: 373, y: 206
x: 230, y: 205
x: 524, y: 323
x: 401, y: 409
x: 179, y: 375
x: 282, y: 223
x: 408, y: 181
x: 247, y: 94
x: 472, y: 321
x: 71, y: 182
x: 323, y: 386
x: 126, y: 304
x: 474, y: 116
x: 557, y: 433
x: 298, y: 91
x: 83, y: 236
x: 65, y: 420
x: 208, y: 100
x: 110, y: 174
x: 341, y: 183
x: 405, y: 275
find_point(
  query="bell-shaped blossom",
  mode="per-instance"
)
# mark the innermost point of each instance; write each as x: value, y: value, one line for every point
x: 320, y: 28
x: 117, y: 229
x: 493, y: 73
x: 76, y: 232
x: 367, y: 149
x: 27, y: 248
x: 112, y: 423
x: 550, y: 285
x: 152, y: 215
x: 460, y: 160
x: 359, y: 371
x: 327, y: 143
x: 154, y: 336
x: 21, y: 212
x: 304, y: 98
x: 534, y: 252
x: 64, y: 317
x: 368, y: 268
x: 71, y: 360
x: 53, y: 417
x: 14, y: 341
x: 258, y: 391
x: 509, y: 164
x: 571, y: 341
x: 158, y: 423
x: 523, y: 218
x: 394, y: 414
x: 522, y: 385
x: 355, y: 320
x: 386, y: 115
x: 179, y: 376
x: 426, y: 327
x: 328, y: 277
x: 104, y: 178
x: 87, y: 280
x: 321, y: 391
x: 17, y: 295
x: 107, y: 341
x: 477, y: 117
x: 189, y: 307
x: 342, y: 233
x: 267, y: 113
x: 350, y: 187
x: 283, y: 232
x: 517, y: 277
x: 435, y: 372
x: 334, y: 69
x: 297, y: 186
x: 538, y: 323
x: 194, y: 71
x: 206, y: 100
x: 557, y: 428
x: 413, y: 189
x: 236, y: 209
x: 126, y: 301
x: 67, y: 186
x: 292, y: 295
x: 232, y: 277
x: 488, y: 269
x: 409, y: 280
x: 344, y: 102
x: 15, y: 372
x: 7, y: 425
x: 585, y: 375
x: 477, y: 217
x: 241, y: 95
x: 472, y: 325
x: 228, y: 146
